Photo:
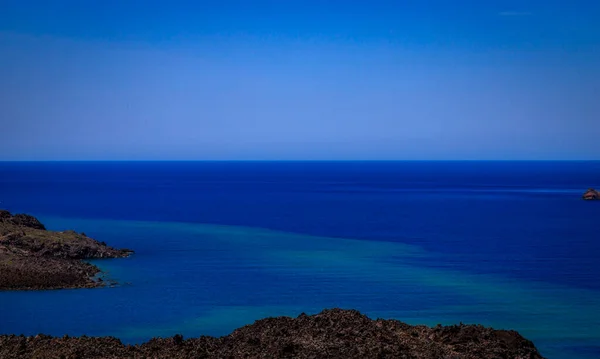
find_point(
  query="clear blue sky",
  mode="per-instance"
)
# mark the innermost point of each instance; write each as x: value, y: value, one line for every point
x: 299, y: 79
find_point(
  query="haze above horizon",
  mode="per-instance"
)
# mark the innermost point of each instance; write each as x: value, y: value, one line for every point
x: 299, y: 80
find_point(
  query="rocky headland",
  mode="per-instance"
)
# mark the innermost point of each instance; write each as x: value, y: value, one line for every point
x: 591, y: 194
x: 32, y: 257
x: 333, y: 333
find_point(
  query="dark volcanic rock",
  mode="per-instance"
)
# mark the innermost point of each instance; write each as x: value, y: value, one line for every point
x: 33, y: 258
x: 333, y: 333
x: 18, y: 272
x: 67, y: 244
x: 5, y: 215
x: 24, y: 220
x: 591, y: 194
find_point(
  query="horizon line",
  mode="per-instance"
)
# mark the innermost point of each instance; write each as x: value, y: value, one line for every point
x: 308, y: 160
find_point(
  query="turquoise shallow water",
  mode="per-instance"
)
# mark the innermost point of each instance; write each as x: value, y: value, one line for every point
x: 209, y: 279
x: 219, y: 245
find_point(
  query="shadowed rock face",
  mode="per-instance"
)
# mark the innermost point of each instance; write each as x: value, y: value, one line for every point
x: 591, y: 194
x: 333, y: 333
x: 33, y: 258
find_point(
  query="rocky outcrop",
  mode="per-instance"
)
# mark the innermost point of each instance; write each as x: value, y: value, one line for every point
x: 591, y: 194
x: 20, y: 273
x: 24, y: 220
x: 66, y: 245
x: 333, y: 333
x: 33, y: 258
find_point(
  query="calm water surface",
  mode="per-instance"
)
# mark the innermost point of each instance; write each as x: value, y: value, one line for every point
x: 221, y: 244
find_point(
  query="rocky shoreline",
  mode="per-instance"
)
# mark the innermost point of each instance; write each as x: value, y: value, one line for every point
x: 332, y: 333
x: 33, y: 258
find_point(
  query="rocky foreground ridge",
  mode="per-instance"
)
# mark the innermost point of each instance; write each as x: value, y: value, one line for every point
x: 32, y: 257
x: 333, y: 333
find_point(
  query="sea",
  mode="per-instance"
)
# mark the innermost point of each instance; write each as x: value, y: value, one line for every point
x: 219, y: 245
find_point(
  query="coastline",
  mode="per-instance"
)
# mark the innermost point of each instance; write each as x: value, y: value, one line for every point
x: 33, y: 258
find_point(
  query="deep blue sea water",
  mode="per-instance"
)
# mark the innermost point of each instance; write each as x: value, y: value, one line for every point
x: 221, y: 244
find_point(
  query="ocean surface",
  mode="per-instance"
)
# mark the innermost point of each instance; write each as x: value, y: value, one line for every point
x: 221, y: 244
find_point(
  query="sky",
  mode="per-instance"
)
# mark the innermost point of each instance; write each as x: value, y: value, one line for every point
x: 299, y: 80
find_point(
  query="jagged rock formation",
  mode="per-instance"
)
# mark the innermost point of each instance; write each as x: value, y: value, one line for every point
x: 591, y: 194
x: 33, y: 258
x: 333, y: 333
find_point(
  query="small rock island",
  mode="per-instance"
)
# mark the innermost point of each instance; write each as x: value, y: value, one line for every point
x: 32, y: 257
x: 591, y: 195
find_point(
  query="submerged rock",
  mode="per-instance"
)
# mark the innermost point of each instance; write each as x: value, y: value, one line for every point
x: 334, y: 333
x: 591, y: 194
x: 33, y: 258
